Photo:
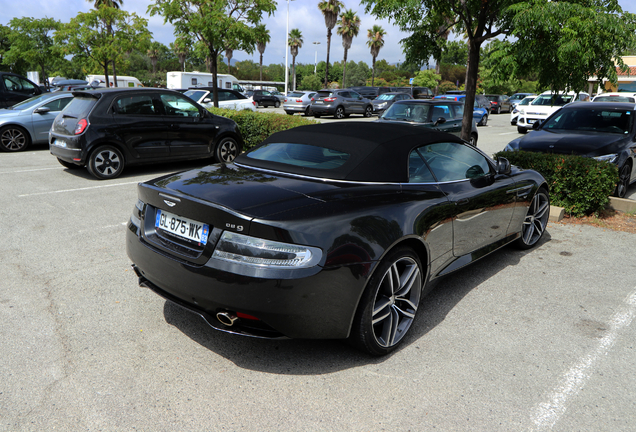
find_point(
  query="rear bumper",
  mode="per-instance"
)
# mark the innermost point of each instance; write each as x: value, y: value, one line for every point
x: 323, y: 109
x: 67, y: 153
x: 318, y: 306
x: 295, y: 108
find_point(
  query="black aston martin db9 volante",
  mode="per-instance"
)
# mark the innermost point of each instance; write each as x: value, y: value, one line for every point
x: 329, y: 231
x: 601, y: 130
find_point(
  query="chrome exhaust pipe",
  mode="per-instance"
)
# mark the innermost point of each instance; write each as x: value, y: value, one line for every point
x: 227, y: 318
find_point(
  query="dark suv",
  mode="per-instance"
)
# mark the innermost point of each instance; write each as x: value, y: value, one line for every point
x: 340, y: 103
x: 107, y: 129
x: 263, y: 98
x: 16, y: 88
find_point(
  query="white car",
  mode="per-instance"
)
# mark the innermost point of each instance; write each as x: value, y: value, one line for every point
x: 514, y: 114
x: 544, y: 105
x: 228, y: 99
x: 615, y: 97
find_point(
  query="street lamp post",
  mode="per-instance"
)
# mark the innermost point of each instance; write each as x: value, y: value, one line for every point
x: 287, y: 51
x: 316, y: 59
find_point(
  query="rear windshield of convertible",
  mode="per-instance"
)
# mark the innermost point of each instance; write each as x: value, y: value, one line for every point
x: 301, y: 155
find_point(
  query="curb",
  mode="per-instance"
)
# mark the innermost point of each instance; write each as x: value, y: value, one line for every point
x: 556, y: 213
x: 622, y: 205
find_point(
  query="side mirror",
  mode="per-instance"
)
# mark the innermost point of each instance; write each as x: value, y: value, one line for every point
x: 439, y: 121
x: 207, y: 100
x: 503, y: 166
x: 536, y: 124
x: 41, y: 110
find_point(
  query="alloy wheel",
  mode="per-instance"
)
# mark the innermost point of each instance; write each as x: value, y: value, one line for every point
x: 536, y: 219
x: 339, y: 114
x: 396, y: 301
x: 227, y: 150
x: 13, y: 139
x: 623, y: 181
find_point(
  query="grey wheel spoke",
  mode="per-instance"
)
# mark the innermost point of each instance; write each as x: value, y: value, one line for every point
x: 404, y: 312
x: 544, y: 207
x: 381, y: 310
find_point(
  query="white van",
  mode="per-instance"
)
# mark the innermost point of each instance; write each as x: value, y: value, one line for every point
x: 185, y: 80
x: 122, y: 81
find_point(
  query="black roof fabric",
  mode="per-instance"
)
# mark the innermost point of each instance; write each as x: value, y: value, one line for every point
x: 379, y: 152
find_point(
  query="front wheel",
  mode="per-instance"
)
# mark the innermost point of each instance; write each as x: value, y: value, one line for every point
x: 521, y: 130
x: 340, y: 113
x: 14, y: 139
x: 105, y: 163
x: 535, y: 221
x: 389, y: 304
x: 227, y: 150
x: 368, y: 111
x: 483, y: 120
x: 624, y: 178
x: 473, y: 140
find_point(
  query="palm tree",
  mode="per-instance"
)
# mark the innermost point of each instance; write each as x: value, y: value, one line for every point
x: 330, y: 9
x: 262, y: 39
x: 229, y: 52
x: 295, y: 42
x: 348, y: 29
x: 153, y: 55
x: 375, y: 36
x: 180, y: 48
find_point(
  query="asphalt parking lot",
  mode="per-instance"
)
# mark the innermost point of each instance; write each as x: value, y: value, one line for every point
x: 541, y: 340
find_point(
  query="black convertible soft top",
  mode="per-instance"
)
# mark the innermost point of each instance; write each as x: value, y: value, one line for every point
x: 378, y: 152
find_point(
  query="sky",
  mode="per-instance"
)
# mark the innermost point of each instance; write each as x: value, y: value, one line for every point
x: 303, y: 14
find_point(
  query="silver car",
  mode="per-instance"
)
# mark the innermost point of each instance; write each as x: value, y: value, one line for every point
x: 298, y: 102
x: 28, y: 122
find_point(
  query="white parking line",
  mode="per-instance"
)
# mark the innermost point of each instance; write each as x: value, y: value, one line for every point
x: 31, y: 170
x: 548, y: 413
x: 78, y: 189
x: 508, y: 133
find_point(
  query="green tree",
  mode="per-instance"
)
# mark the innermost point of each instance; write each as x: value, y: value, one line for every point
x: 216, y: 24
x: 330, y: 10
x: 375, y: 41
x: 180, y: 48
x: 103, y: 35
x: 348, y: 29
x: 32, y: 41
x: 5, y: 43
x: 117, y: 4
x: 427, y: 78
x: 153, y: 55
x: 310, y: 82
x: 295, y: 43
x: 262, y: 39
x: 567, y: 40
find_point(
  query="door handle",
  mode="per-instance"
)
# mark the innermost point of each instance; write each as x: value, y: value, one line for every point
x: 461, y: 201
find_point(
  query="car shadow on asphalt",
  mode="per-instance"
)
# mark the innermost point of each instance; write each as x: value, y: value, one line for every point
x: 154, y: 170
x: 314, y: 357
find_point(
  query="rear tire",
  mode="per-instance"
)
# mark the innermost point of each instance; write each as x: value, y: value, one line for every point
x: 624, y: 177
x: 308, y: 111
x: 484, y: 120
x: 521, y: 130
x: 105, y: 163
x: 276, y: 104
x: 389, y: 304
x: 289, y: 113
x: 473, y: 140
x: 227, y: 150
x: 368, y: 111
x: 340, y: 113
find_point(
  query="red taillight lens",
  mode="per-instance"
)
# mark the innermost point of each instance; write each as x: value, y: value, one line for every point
x: 331, y: 99
x: 299, y: 100
x: 81, y: 126
x: 312, y: 99
x: 254, y: 103
x: 285, y: 99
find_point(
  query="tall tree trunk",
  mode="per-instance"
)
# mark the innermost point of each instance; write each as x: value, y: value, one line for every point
x: 261, y: 64
x: 344, y: 69
x: 294, y: 69
x: 106, y: 73
x: 328, y: 49
x: 215, y: 72
x: 373, y: 73
x: 471, y: 86
x: 114, y: 74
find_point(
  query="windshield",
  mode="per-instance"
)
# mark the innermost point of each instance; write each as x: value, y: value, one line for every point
x: 526, y: 101
x: 195, y: 95
x: 295, y: 94
x: 607, y: 121
x: 31, y: 102
x: 302, y: 155
x: 386, y: 96
x: 552, y: 100
x: 409, y: 112
x: 614, y: 99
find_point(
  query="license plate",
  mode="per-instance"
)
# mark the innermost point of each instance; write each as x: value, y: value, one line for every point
x: 319, y: 102
x: 59, y: 143
x: 182, y: 227
x: 531, y: 121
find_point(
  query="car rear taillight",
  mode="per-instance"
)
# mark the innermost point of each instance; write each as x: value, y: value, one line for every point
x: 299, y: 100
x: 312, y: 99
x: 331, y: 99
x: 81, y: 126
x: 285, y: 99
x: 254, y: 103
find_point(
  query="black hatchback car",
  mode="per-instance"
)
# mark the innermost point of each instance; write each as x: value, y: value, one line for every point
x: 107, y: 129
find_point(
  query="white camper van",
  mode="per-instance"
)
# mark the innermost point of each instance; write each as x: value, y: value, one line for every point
x: 122, y: 81
x: 185, y: 80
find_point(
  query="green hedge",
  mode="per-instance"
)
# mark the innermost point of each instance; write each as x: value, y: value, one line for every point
x: 580, y: 185
x: 256, y: 126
